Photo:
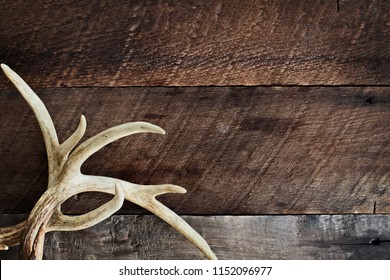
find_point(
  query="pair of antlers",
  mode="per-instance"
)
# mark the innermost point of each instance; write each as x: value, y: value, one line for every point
x: 66, y: 180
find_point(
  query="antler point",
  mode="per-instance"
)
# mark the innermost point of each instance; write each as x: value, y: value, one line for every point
x: 5, y: 68
x: 3, y: 247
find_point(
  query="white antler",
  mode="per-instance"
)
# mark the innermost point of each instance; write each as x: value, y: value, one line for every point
x: 66, y: 180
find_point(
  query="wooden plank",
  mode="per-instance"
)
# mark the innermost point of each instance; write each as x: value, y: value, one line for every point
x: 246, y: 150
x: 231, y: 237
x: 182, y: 43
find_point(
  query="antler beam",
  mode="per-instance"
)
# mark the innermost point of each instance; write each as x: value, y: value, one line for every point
x: 66, y: 180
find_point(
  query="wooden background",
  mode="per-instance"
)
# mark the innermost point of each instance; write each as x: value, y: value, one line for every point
x: 271, y: 108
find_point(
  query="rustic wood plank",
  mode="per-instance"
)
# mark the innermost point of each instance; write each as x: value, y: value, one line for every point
x: 182, y: 43
x: 241, y: 150
x: 231, y: 237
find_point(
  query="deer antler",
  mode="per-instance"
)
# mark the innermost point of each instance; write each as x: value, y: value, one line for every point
x: 66, y: 180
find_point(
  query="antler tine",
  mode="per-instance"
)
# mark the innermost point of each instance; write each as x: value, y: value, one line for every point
x: 63, y: 222
x: 72, y: 141
x: 148, y: 201
x: 36, y: 104
x: 10, y: 236
x: 95, y: 143
x: 42, y: 115
x: 144, y: 196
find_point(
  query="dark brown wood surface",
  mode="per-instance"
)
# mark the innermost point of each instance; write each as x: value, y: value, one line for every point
x: 191, y: 43
x: 279, y: 148
x: 240, y: 150
x: 231, y: 237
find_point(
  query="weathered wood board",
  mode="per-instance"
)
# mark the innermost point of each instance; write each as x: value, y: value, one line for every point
x: 282, y: 148
x: 231, y: 237
x: 192, y: 43
x: 241, y: 150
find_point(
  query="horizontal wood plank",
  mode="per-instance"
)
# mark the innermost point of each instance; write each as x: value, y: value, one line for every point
x: 238, y: 237
x: 191, y: 43
x: 241, y: 150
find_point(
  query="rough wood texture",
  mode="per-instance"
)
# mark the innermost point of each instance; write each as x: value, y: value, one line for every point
x: 238, y: 237
x: 100, y: 43
x: 247, y: 150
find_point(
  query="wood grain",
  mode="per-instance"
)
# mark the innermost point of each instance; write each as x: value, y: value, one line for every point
x: 191, y: 43
x: 241, y: 150
x: 238, y: 237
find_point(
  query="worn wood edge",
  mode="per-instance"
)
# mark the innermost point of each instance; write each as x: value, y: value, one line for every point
x: 231, y: 237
